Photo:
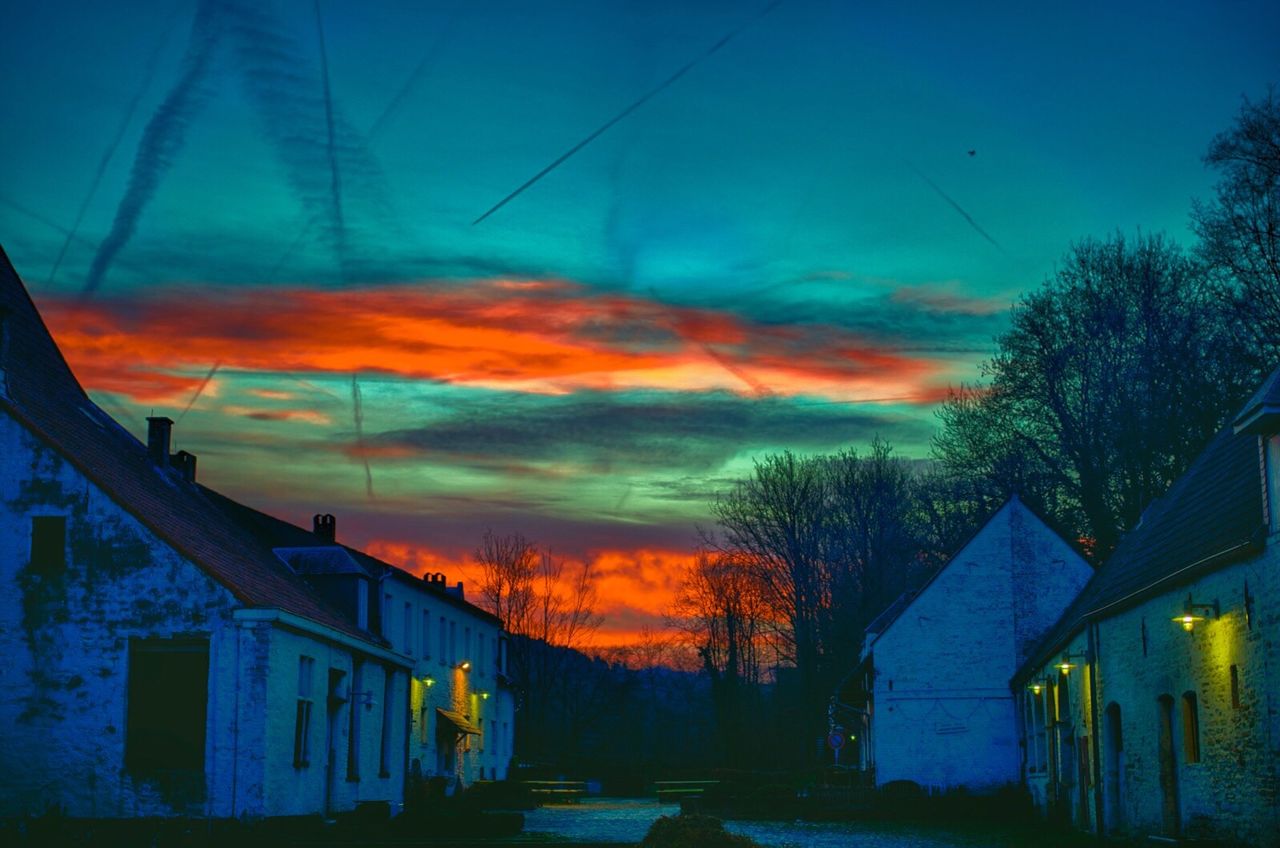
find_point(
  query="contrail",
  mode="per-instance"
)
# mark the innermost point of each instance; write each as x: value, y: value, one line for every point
x: 759, y: 388
x: 163, y: 137
x: 335, y: 177
x: 957, y: 207
x: 55, y: 226
x: 200, y: 389
x: 357, y: 413
x: 148, y: 75
x: 636, y: 104
x: 376, y: 128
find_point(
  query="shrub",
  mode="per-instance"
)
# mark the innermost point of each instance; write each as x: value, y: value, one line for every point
x: 693, y: 832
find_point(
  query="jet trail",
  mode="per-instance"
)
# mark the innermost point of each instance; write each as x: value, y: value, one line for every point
x: 958, y: 208
x: 357, y: 413
x: 335, y: 177
x: 636, y: 104
x: 163, y: 137
x: 148, y: 75
x: 200, y: 389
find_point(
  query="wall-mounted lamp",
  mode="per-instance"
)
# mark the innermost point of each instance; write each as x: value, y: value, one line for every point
x: 428, y: 681
x: 1193, y: 612
x: 484, y: 696
x: 465, y: 665
x: 1066, y: 664
x: 1036, y: 688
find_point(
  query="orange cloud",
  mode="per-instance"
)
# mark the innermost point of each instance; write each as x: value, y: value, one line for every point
x: 538, y: 337
x: 636, y: 588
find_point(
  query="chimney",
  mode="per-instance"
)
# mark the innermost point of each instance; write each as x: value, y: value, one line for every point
x: 159, y: 429
x: 186, y: 465
x: 326, y: 527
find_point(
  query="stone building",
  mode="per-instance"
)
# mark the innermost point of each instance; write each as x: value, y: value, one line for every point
x: 940, y: 710
x: 1153, y: 706
x: 161, y: 658
x: 461, y: 711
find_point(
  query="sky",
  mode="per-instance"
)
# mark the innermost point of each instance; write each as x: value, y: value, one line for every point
x: 260, y: 219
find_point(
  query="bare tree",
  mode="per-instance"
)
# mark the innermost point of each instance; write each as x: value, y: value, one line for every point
x: 1110, y: 380
x: 1240, y: 228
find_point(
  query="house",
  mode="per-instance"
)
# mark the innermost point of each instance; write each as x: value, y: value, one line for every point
x: 1152, y: 708
x: 461, y: 710
x: 940, y: 713
x: 162, y: 658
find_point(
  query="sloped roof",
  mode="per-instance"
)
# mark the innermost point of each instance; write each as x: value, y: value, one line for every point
x: 1213, y: 515
x: 1263, y: 408
x: 41, y: 392
x: 286, y: 537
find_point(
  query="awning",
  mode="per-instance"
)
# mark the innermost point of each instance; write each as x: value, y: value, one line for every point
x: 458, y: 720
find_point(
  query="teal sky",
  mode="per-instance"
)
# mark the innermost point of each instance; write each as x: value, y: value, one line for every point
x: 759, y: 257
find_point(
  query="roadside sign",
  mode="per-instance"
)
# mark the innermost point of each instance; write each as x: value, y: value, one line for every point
x: 836, y: 738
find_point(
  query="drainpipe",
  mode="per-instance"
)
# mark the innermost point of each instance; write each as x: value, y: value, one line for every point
x: 235, y: 721
x: 1099, y: 814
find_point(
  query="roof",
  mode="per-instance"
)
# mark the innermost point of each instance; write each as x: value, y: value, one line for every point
x: 885, y: 620
x: 458, y: 720
x: 40, y: 391
x: 294, y: 543
x: 1262, y: 411
x: 1213, y: 515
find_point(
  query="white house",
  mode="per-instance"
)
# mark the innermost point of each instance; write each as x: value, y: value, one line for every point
x: 461, y: 709
x: 1153, y: 706
x: 940, y: 710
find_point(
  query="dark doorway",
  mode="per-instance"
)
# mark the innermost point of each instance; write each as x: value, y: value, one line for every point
x: 334, y: 703
x: 168, y: 701
x: 1170, y: 813
x: 1113, y: 764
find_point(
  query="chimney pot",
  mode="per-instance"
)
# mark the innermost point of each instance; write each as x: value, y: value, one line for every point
x: 159, y: 429
x: 326, y: 527
x: 185, y: 463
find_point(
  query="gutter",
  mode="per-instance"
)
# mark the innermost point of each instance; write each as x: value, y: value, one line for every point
x: 1099, y: 813
x: 290, y: 621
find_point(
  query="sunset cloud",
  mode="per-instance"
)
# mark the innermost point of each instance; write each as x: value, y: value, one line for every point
x: 533, y: 337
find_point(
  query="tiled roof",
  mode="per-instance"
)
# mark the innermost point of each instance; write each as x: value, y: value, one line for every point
x: 1212, y: 515
x: 41, y: 392
x: 1263, y: 407
x: 280, y: 534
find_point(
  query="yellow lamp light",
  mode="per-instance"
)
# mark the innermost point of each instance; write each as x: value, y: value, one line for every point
x: 1036, y: 688
x: 1066, y: 663
x: 428, y: 681
x: 465, y: 665
x: 484, y: 695
x: 1191, y: 613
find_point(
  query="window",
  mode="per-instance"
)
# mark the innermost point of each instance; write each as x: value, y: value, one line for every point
x: 480, y: 727
x: 354, y: 722
x: 1190, y: 728
x: 408, y: 629
x: 1062, y: 713
x: 443, y: 641
x: 480, y: 652
x: 453, y: 643
x: 49, y: 543
x: 1144, y: 637
x: 387, y: 612
x: 362, y: 604
x: 466, y: 643
x: 302, y: 719
x: 1273, y: 481
x: 388, y: 691
x: 1235, y: 687
x: 424, y: 717
x: 426, y: 634
x: 168, y: 694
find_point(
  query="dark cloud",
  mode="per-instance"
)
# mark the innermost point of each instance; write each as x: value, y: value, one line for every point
x: 640, y: 431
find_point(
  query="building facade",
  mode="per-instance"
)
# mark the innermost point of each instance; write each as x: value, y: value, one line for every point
x: 1153, y: 707
x: 163, y: 657
x: 940, y: 711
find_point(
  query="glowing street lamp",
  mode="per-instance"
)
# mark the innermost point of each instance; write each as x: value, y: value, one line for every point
x: 1066, y: 664
x: 465, y: 665
x: 1191, y: 613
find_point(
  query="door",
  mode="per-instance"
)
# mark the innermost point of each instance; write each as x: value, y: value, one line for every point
x: 1169, y: 811
x: 333, y: 709
x: 1113, y: 764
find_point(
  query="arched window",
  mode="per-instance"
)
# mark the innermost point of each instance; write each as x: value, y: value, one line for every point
x: 1190, y: 728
